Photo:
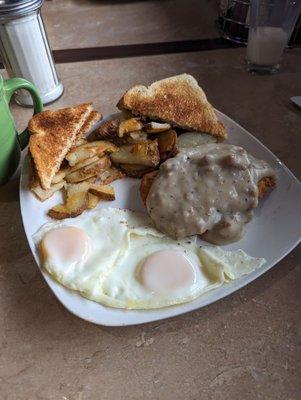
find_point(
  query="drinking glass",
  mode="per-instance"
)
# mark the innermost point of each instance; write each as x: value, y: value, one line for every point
x: 271, y: 24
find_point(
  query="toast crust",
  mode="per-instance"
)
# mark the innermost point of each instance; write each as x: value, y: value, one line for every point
x: 52, y: 133
x: 177, y: 100
x: 91, y: 120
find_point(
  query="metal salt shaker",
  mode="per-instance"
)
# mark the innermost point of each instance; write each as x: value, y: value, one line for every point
x: 25, y: 50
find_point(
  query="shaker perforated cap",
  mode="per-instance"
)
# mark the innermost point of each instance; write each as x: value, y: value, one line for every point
x: 10, y: 9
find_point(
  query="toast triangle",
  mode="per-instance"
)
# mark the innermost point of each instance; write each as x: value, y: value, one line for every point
x: 178, y: 100
x: 52, y: 133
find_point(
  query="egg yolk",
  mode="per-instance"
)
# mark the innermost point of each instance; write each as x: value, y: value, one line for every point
x: 166, y: 270
x: 68, y: 244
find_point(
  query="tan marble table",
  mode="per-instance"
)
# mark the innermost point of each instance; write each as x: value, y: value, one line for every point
x: 85, y: 23
x: 244, y: 347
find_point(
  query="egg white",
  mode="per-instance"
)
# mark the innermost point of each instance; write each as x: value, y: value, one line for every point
x: 107, y: 230
x: 120, y: 241
x: 123, y: 289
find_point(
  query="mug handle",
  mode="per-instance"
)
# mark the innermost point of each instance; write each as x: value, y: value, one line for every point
x: 13, y: 84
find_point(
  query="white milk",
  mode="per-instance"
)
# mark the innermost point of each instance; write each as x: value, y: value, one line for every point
x: 266, y: 45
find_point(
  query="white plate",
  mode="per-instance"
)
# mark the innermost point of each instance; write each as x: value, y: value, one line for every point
x: 272, y: 234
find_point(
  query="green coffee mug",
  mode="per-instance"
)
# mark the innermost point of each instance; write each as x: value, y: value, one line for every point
x: 12, y: 142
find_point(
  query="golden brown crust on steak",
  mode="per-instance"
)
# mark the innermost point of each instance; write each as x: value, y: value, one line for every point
x: 146, y: 183
x: 264, y: 185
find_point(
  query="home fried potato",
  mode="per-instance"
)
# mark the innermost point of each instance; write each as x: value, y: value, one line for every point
x: 88, y: 150
x: 111, y: 175
x: 80, y: 142
x: 59, y: 176
x: 104, y: 192
x: 102, y: 147
x: 75, y: 188
x: 135, y: 171
x: 143, y: 153
x: 82, y: 164
x: 130, y: 138
x: 92, y: 201
x: 156, y: 127
x: 89, y: 171
x: 78, y: 154
x: 167, y: 144
x: 108, y: 130
x: 146, y: 183
x: 128, y: 126
x: 76, y: 202
x: 93, y: 179
x: 136, y: 137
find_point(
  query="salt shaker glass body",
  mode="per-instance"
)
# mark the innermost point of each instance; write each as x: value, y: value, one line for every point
x: 25, y: 50
x: 271, y: 24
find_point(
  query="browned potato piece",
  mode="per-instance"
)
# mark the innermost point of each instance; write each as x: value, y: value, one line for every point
x: 77, y: 144
x: 167, y: 144
x: 102, y: 147
x: 82, y: 164
x: 79, y: 154
x: 111, y: 175
x: 156, y: 127
x: 146, y: 183
x: 76, y: 202
x: 61, y: 212
x: 136, y: 137
x: 135, y: 171
x: 80, y: 142
x: 93, y: 179
x: 108, y: 130
x: 129, y: 125
x: 59, y: 176
x: 89, y: 171
x: 92, y: 201
x: 88, y: 150
x: 75, y: 188
x: 104, y: 192
x: 130, y: 138
x: 143, y: 153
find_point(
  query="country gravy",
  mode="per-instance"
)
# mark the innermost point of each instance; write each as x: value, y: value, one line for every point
x: 210, y: 190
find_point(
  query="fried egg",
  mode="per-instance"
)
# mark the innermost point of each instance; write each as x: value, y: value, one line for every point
x: 117, y: 258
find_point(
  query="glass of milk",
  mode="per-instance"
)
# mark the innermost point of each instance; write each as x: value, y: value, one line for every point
x: 271, y: 24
